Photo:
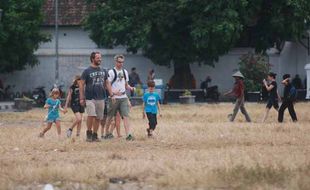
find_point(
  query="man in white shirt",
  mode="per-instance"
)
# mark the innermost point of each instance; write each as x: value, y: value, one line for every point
x: 119, y: 101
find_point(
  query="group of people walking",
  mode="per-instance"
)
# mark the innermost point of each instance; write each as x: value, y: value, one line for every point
x: 273, y: 99
x: 103, y: 95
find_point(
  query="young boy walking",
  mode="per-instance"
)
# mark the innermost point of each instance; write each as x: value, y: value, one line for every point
x: 151, y: 107
x: 288, y: 99
x: 238, y: 92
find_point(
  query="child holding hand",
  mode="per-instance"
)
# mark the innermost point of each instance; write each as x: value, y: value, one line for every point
x: 53, y: 105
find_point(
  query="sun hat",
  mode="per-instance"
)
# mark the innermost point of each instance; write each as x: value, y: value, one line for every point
x: 238, y: 74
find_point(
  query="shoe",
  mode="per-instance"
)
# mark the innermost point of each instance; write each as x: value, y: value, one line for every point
x: 89, y: 135
x: 77, y: 135
x: 130, y: 138
x: 69, y: 132
x: 110, y: 136
x: 41, y: 135
x: 148, y: 131
x: 95, y: 137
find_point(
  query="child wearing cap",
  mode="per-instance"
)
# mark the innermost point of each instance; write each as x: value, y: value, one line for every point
x: 288, y: 99
x: 238, y: 92
x: 151, y: 107
x: 272, y: 88
x: 53, y: 104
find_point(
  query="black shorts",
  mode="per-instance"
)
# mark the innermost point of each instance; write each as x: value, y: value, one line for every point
x: 77, y: 108
x: 272, y: 102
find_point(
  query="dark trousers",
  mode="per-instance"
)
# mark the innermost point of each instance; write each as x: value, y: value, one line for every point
x: 152, y: 120
x: 287, y: 104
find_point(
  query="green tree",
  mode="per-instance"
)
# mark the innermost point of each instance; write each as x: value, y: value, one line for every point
x: 181, y: 32
x: 20, y: 33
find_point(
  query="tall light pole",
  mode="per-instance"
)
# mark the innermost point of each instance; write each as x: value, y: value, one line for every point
x: 1, y: 11
x: 56, y: 43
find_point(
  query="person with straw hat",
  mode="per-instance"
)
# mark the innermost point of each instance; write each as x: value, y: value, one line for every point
x: 238, y: 92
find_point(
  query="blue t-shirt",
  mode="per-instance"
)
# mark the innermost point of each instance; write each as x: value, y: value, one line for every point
x: 53, y: 112
x: 150, y: 101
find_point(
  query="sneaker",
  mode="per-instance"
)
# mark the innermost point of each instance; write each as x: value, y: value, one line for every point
x: 95, y: 137
x: 89, y: 136
x: 110, y: 136
x: 69, y: 132
x: 130, y: 138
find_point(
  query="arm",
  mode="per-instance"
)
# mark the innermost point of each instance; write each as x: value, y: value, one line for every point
x: 143, y: 112
x: 68, y: 99
x: 81, y: 88
x: 159, y: 108
x: 268, y: 87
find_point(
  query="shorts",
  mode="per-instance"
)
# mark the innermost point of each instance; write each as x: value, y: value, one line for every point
x: 77, y: 108
x: 52, y: 119
x: 120, y: 105
x: 95, y: 108
x: 105, y: 111
x: 272, y: 102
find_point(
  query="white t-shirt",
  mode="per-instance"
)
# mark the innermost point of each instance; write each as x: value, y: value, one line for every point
x: 119, y: 84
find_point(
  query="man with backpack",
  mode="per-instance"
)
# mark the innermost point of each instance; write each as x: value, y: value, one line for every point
x: 119, y: 101
x: 289, y: 97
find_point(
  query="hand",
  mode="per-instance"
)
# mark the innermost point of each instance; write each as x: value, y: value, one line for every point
x: 118, y: 93
x: 113, y: 99
x: 82, y: 102
x: 143, y: 115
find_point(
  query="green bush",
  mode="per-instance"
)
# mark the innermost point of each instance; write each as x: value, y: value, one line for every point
x: 255, y: 68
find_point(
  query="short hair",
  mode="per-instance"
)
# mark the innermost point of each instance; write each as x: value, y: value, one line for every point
x: 273, y: 75
x: 285, y: 76
x: 151, y: 83
x: 119, y: 56
x: 93, y: 55
x: 133, y: 69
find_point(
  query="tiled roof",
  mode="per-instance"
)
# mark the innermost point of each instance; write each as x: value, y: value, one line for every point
x: 70, y: 12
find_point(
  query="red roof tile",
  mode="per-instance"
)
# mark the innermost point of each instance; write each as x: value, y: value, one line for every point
x: 70, y: 12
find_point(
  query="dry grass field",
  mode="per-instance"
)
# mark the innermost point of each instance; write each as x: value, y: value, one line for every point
x: 194, y: 147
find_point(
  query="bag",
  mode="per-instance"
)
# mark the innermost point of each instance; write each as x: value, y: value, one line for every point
x: 115, y: 77
x: 293, y: 93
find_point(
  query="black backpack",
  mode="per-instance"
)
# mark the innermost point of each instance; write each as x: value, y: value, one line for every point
x: 115, y: 77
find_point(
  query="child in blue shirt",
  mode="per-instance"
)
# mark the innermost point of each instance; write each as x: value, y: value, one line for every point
x: 53, y: 104
x: 151, y: 107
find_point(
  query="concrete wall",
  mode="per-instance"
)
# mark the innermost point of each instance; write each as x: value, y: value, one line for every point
x: 75, y: 47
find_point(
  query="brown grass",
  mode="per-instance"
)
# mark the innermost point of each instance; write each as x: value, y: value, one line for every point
x: 193, y: 147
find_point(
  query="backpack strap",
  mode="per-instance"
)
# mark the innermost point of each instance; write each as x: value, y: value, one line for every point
x: 124, y: 75
x: 114, y: 79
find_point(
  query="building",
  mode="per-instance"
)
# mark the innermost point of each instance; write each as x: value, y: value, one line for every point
x: 75, y: 47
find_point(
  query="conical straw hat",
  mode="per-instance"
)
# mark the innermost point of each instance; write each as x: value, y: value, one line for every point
x: 238, y: 74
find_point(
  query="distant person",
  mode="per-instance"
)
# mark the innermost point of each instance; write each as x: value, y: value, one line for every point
x: 288, y: 99
x: 272, y: 87
x: 53, y: 105
x: 73, y: 98
x: 134, y: 77
x: 151, y: 106
x: 296, y: 82
x: 238, y: 92
x: 151, y: 75
x: 205, y: 84
x: 93, y: 85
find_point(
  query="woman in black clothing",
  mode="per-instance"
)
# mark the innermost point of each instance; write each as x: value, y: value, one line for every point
x: 288, y: 99
x: 74, y: 98
x: 273, y: 94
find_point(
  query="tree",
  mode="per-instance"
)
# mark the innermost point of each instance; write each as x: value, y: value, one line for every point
x: 181, y: 32
x: 20, y: 33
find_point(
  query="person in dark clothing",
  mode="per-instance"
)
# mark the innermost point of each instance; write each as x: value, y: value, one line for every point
x: 297, y: 83
x: 288, y: 99
x: 273, y: 94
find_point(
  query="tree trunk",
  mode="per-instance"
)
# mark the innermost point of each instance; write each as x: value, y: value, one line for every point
x: 182, y: 77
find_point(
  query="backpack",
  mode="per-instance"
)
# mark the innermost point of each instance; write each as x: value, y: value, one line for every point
x: 115, y: 77
x: 293, y: 93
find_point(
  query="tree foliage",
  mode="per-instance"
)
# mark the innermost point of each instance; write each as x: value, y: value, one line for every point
x: 188, y: 31
x: 20, y: 33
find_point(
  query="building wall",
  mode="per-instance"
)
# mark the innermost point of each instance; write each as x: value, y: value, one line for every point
x: 75, y: 47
